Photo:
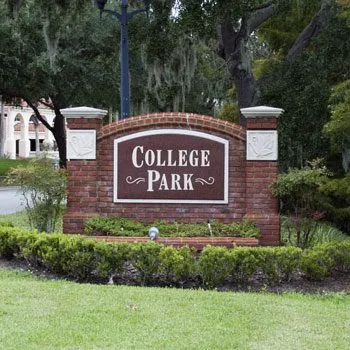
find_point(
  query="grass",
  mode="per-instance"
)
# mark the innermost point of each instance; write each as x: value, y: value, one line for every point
x: 7, y: 164
x: 19, y: 219
x: 47, y: 314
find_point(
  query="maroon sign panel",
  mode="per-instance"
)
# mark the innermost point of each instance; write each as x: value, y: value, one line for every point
x: 171, y: 166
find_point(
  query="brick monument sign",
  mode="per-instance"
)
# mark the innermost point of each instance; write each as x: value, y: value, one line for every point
x: 173, y: 166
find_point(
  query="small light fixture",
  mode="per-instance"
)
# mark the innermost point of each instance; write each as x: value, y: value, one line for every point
x: 153, y: 233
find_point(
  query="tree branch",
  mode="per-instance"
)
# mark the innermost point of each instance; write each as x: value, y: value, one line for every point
x: 260, y: 15
x: 262, y: 6
x: 37, y: 113
x: 312, y: 30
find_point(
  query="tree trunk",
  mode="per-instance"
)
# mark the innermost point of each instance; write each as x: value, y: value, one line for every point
x: 238, y: 60
x: 59, y: 133
x: 234, y: 48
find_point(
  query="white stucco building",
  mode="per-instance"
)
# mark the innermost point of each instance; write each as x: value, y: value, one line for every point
x: 23, y: 135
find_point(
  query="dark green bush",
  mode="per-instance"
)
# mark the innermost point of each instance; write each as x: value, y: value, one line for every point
x: 6, y: 224
x: 316, y: 264
x: 215, y: 265
x: 178, y: 265
x: 115, y: 226
x: 145, y: 258
x: 91, y: 260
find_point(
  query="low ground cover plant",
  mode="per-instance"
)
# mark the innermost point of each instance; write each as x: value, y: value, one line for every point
x: 151, y: 263
x: 116, y: 226
x: 311, y: 232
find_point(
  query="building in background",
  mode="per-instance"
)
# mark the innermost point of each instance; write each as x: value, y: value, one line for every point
x: 24, y: 136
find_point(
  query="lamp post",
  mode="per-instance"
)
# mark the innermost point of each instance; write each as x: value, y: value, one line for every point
x: 2, y: 127
x: 123, y: 17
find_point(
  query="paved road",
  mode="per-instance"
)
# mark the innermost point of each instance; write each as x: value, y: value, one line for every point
x: 11, y: 201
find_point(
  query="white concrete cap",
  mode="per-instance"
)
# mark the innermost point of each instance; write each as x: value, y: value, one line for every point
x: 83, y: 112
x: 262, y: 111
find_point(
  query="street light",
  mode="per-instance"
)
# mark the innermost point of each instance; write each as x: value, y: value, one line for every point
x: 123, y: 17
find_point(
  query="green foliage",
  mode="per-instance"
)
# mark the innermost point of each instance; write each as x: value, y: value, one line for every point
x: 303, y: 88
x: 298, y: 189
x: 302, y: 91
x: 90, y: 260
x: 145, y: 258
x: 281, y: 31
x: 230, y: 112
x: 338, y: 128
x: 178, y: 265
x: 214, y: 265
x: 312, y: 232
x: 6, y: 224
x: 316, y: 264
x: 115, y: 226
x: 310, y: 193
x: 44, y: 190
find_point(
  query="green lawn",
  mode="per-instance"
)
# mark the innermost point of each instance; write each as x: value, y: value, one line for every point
x: 42, y: 314
x: 19, y: 219
x: 6, y: 164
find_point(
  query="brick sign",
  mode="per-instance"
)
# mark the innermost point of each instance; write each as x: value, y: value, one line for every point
x: 171, y: 166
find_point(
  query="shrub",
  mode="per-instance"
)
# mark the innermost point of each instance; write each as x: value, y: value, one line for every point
x: 44, y: 190
x: 215, y: 266
x: 177, y: 264
x: 316, y: 264
x: 127, y: 227
x: 90, y: 260
x: 145, y: 258
x: 6, y: 224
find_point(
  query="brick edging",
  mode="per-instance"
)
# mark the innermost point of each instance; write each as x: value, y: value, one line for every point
x: 172, y: 119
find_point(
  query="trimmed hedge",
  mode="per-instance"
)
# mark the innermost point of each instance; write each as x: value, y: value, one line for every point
x: 115, y: 226
x: 154, y: 264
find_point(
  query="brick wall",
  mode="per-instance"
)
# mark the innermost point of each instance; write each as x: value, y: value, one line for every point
x: 91, y: 181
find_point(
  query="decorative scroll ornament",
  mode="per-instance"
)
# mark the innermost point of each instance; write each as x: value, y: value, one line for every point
x: 209, y: 182
x: 136, y: 181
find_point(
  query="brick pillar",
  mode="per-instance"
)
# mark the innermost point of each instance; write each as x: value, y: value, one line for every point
x: 82, y: 125
x: 262, y: 170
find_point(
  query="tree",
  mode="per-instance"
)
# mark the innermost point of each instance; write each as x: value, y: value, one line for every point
x: 235, y: 22
x: 338, y: 128
x: 302, y: 88
x: 56, y: 62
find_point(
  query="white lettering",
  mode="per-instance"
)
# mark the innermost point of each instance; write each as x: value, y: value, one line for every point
x: 149, y: 157
x: 170, y: 156
x: 162, y: 158
x: 159, y: 158
x: 163, y: 184
x: 175, y: 182
x: 134, y: 157
x: 194, y: 158
x: 205, y: 157
x: 182, y: 157
x: 153, y: 176
x: 188, y: 182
